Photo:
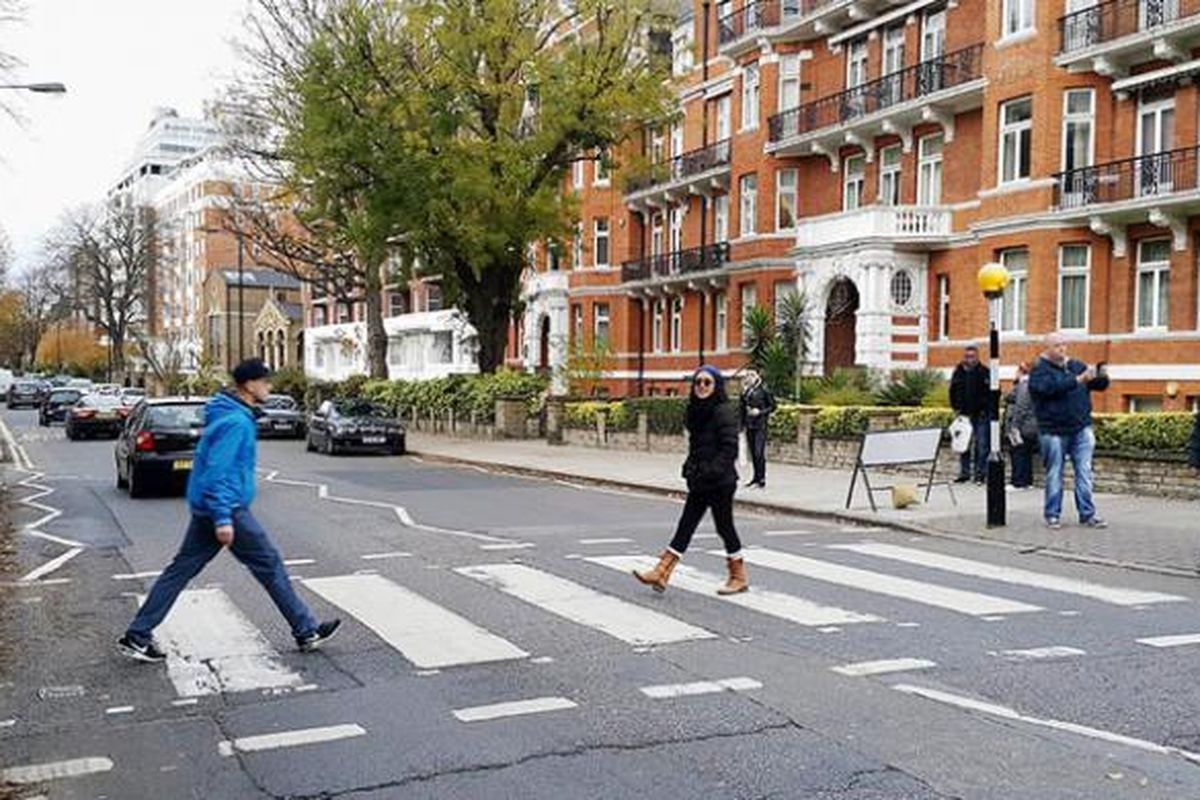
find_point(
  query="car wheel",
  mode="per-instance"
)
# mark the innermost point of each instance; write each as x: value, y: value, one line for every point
x: 398, y: 448
x: 121, y: 482
x: 70, y: 433
x: 137, y: 486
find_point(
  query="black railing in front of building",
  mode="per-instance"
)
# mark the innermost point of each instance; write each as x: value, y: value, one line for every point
x: 761, y: 14
x: 686, y: 165
x: 1153, y: 175
x: 911, y: 83
x: 678, y: 262
x: 1113, y: 19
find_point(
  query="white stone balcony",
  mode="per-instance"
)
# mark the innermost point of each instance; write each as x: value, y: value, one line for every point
x: 753, y: 21
x: 915, y: 227
x: 1111, y: 37
x: 538, y: 284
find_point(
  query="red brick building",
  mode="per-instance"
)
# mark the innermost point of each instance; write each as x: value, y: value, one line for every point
x: 873, y: 155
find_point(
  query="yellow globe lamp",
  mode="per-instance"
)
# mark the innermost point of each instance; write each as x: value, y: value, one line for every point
x: 993, y: 279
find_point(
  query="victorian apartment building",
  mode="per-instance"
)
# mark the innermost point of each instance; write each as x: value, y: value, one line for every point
x: 873, y: 154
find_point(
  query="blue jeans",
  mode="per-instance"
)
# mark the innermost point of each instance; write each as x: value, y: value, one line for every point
x: 981, y: 445
x: 251, y: 546
x: 1055, y: 451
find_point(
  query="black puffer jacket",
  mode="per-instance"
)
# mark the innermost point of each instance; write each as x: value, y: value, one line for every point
x: 1194, y: 444
x: 713, y: 452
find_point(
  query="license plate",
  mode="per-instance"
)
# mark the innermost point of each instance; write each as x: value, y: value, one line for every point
x: 283, y: 425
x: 181, y: 465
x: 374, y: 439
x: 106, y: 416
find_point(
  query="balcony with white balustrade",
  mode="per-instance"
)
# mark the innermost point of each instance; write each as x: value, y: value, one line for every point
x: 901, y: 227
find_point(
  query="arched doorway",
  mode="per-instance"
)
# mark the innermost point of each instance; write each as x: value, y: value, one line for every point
x: 544, y: 345
x: 841, y: 311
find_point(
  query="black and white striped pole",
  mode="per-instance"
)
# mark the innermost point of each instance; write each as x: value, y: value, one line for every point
x: 993, y: 279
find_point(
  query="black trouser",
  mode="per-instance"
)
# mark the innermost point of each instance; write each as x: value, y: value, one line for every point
x: 721, y: 502
x: 1022, y: 462
x: 756, y: 438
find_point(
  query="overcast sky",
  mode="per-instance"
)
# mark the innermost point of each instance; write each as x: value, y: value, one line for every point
x: 120, y: 59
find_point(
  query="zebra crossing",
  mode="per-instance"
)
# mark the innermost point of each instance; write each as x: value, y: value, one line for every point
x: 213, y: 647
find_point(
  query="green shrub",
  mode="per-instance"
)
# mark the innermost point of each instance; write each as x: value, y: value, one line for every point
x: 290, y: 381
x: 926, y: 418
x: 1151, y: 433
x: 841, y: 422
x: 938, y: 397
x: 665, y: 415
x: 783, y: 424
x: 909, y: 387
x: 318, y: 392
x: 845, y: 387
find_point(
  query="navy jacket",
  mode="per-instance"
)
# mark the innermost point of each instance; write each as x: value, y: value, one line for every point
x: 222, y: 479
x: 1194, y: 444
x: 1063, y: 404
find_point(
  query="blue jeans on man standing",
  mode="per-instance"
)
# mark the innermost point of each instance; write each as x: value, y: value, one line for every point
x: 981, y: 446
x: 1079, y: 447
x: 251, y: 546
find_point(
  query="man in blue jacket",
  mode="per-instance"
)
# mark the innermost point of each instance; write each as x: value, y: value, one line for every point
x: 220, y: 491
x: 1061, y: 388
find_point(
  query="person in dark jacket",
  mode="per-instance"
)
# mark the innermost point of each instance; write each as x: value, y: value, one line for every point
x: 757, y: 406
x: 1194, y: 444
x: 1021, y: 429
x: 220, y: 491
x: 1061, y: 388
x: 712, y: 424
x: 969, y: 393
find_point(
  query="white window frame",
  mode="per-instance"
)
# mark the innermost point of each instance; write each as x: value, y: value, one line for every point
x: 1076, y: 118
x: 789, y: 81
x: 748, y: 204
x: 601, y: 175
x: 577, y: 247
x: 683, y: 56
x: 1074, y: 271
x: 577, y: 178
x: 1015, y: 309
x: 927, y: 165
x: 751, y: 97
x: 675, y: 223
x: 857, y: 63
x: 600, y: 233
x: 748, y: 296
x: 656, y: 332
x: 787, y: 191
x: 658, y: 145
x: 577, y: 323
x: 721, y: 218
x: 677, y: 306
x: 1018, y: 130
x: 656, y: 234
x: 1017, y: 17
x: 724, y: 114
x: 601, y: 316
x: 854, y: 179
x: 676, y: 139
x: 943, y: 284
x: 890, y: 175
x: 721, y: 321
x: 1161, y: 315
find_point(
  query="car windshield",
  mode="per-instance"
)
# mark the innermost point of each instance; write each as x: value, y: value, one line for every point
x: 64, y: 397
x: 354, y: 407
x: 101, y: 401
x: 178, y: 415
x: 280, y: 402
x: 25, y: 386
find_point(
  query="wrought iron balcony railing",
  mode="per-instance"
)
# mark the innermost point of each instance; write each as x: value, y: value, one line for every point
x: 1113, y: 19
x: 1154, y: 175
x: 678, y: 262
x: 911, y: 83
x: 681, y: 167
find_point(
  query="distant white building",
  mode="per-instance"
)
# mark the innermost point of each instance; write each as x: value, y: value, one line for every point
x: 169, y: 140
x: 421, y: 346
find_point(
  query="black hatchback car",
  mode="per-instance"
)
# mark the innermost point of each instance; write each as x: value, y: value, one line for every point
x: 24, y: 392
x: 95, y: 414
x: 355, y: 425
x: 158, y: 443
x: 57, y: 404
x: 281, y: 416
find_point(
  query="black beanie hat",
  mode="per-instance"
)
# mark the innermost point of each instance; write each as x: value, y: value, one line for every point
x: 249, y: 370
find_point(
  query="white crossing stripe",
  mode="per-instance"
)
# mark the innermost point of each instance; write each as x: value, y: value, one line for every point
x: 425, y: 633
x: 512, y: 709
x: 1039, y: 653
x: 765, y: 601
x: 507, y: 546
x: 212, y: 647
x: 136, y: 576
x: 299, y: 562
x: 865, y: 668
x: 1038, y: 580
x: 625, y: 621
x: 788, y: 533
x: 930, y: 594
x: 610, y: 540
x: 296, y: 738
x: 1177, y: 640
x: 381, y: 556
x: 670, y: 690
x: 54, y: 770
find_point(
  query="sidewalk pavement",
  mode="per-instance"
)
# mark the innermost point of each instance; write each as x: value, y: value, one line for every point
x: 1144, y: 532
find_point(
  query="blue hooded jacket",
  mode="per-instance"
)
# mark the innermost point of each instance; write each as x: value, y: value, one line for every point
x: 1063, y: 405
x: 222, y: 477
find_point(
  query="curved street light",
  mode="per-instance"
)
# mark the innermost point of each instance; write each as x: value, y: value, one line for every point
x: 39, y: 88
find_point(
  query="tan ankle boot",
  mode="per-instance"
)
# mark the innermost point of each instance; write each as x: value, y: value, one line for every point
x: 737, y: 577
x: 657, y: 578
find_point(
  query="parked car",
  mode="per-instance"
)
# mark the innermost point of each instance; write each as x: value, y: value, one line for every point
x: 352, y: 424
x: 95, y: 414
x: 106, y: 388
x: 6, y: 380
x: 281, y: 417
x: 83, y: 384
x: 132, y: 395
x: 24, y: 392
x: 56, y: 405
x: 158, y: 443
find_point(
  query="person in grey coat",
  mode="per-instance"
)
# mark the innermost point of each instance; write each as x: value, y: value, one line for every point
x: 1021, y: 429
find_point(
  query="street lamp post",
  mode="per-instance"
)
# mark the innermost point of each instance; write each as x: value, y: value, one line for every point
x: 993, y: 279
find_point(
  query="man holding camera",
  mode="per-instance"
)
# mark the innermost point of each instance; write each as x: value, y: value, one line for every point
x: 1061, y: 388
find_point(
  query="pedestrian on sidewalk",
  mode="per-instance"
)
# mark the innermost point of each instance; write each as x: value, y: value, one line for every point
x: 757, y: 406
x: 969, y: 394
x: 1021, y: 428
x: 220, y: 491
x: 1061, y: 388
x: 1194, y: 444
x: 712, y: 424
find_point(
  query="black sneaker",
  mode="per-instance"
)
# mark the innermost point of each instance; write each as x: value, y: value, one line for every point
x: 322, y: 634
x: 963, y: 479
x: 1094, y: 522
x: 140, y: 652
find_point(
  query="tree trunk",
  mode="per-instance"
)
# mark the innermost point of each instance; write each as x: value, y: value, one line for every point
x: 489, y: 308
x: 377, y: 340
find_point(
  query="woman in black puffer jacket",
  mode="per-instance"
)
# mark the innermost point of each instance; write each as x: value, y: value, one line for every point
x: 712, y: 423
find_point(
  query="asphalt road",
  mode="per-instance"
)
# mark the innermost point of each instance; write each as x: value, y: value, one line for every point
x: 1008, y: 676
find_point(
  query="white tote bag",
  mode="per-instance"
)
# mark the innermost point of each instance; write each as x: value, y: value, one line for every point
x: 960, y: 434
